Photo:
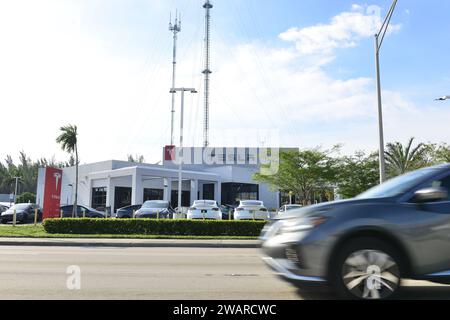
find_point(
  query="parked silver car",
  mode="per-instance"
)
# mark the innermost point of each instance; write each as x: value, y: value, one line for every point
x: 155, y: 209
x: 363, y: 247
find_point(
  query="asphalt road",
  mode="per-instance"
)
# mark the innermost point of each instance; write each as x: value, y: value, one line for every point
x: 155, y: 273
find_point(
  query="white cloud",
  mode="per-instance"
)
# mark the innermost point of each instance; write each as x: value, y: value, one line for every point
x: 343, y: 31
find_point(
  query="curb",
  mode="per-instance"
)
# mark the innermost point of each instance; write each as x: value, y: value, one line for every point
x: 230, y: 244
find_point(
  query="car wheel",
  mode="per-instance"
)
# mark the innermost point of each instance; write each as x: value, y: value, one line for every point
x: 366, y: 269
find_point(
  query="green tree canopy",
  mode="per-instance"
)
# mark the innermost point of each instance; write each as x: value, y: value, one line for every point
x: 26, y: 197
x: 404, y: 158
x: 303, y: 172
x: 358, y: 173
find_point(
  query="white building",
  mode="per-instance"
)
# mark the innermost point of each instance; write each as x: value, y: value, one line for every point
x: 221, y: 174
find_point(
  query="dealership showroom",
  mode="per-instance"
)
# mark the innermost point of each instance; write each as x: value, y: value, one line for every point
x: 221, y: 174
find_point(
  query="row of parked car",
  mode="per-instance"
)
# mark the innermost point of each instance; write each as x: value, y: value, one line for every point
x: 201, y: 209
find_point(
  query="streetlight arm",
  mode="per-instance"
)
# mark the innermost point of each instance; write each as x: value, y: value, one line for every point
x: 386, y: 23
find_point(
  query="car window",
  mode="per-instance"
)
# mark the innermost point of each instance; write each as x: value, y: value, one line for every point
x: 155, y: 205
x: 443, y: 183
x: 399, y: 184
x: 20, y: 207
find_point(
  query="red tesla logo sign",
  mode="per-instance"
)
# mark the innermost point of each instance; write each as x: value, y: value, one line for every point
x: 169, y: 153
x: 52, y: 193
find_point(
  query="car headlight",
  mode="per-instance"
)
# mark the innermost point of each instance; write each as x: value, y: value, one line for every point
x: 304, y: 224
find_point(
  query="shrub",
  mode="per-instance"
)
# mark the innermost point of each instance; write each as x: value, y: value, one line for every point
x: 154, y: 227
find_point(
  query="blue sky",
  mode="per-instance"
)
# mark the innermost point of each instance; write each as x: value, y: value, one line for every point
x: 105, y: 65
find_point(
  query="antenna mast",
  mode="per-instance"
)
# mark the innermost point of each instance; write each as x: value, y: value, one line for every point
x: 175, y: 28
x: 207, y: 71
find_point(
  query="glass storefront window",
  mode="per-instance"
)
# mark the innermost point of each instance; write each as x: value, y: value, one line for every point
x: 99, y: 198
x: 153, y: 194
x: 232, y: 193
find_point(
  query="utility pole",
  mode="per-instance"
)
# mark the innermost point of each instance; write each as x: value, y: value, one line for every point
x: 379, y: 37
x: 180, y: 165
x: 207, y: 71
x: 175, y: 28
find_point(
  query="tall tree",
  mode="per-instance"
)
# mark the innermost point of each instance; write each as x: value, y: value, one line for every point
x: 68, y: 139
x: 404, y: 158
x: 304, y: 173
x: 357, y: 174
x: 442, y: 153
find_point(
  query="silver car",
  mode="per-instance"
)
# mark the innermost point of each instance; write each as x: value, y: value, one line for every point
x: 363, y: 247
x: 155, y: 209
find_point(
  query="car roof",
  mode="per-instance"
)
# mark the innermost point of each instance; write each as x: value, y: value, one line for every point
x: 442, y: 166
x: 205, y: 201
x: 252, y: 202
x: 156, y: 201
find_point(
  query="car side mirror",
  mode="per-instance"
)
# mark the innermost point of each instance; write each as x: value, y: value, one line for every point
x: 430, y: 195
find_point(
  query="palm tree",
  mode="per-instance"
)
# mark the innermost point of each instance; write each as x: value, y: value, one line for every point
x: 401, y: 159
x: 69, y: 143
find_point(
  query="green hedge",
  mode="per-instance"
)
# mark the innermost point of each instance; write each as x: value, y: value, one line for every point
x: 154, y: 227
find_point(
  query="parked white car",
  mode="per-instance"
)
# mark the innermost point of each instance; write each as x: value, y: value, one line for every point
x: 251, y: 210
x: 289, y: 207
x: 205, y: 209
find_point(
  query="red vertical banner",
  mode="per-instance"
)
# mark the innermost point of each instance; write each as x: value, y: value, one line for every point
x: 169, y: 153
x: 52, y: 193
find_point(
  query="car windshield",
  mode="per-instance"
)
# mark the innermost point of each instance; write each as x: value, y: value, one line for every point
x: 251, y: 203
x: 398, y: 185
x: 20, y: 207
x: 155, y: 205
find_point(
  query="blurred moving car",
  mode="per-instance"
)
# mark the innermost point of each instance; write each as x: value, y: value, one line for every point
x: 251, y: 210
x: 289, y: 207
x: 205, y: 209
x: 365, y: 246
x: 88, y: 212
x: 154, y: 208
x: 24, y: 213
x: 127, y: 212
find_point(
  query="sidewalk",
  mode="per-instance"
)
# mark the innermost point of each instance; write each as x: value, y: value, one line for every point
x: 129, y: 243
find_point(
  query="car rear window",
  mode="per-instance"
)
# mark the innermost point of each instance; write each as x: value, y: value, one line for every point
x: 251, y: 203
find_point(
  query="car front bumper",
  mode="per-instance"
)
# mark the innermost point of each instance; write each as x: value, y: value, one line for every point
x: 282, y: 268
x: 296, y: 256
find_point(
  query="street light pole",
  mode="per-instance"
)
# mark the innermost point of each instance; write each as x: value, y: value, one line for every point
x: 15, y: 189
x: 382, y: 160
x: 180, y: 164
x: 379, y: 37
